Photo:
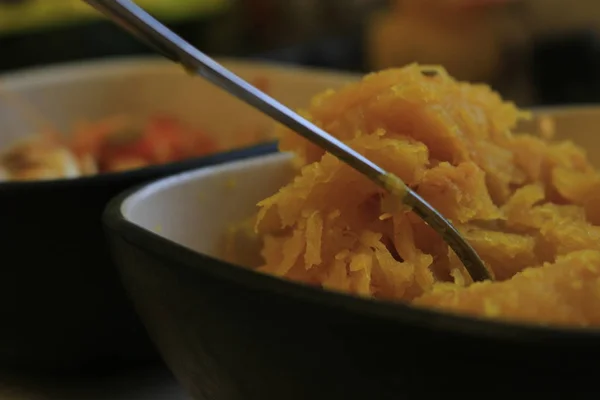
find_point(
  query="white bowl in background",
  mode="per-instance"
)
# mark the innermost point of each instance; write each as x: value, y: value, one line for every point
x: 62, y: 305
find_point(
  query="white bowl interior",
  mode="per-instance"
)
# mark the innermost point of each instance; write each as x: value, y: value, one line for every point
x: 140, y: 87
x: 197, y: 209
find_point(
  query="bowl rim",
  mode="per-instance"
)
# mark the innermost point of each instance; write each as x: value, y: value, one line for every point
x: 190, y: 263
x: 117, y: 66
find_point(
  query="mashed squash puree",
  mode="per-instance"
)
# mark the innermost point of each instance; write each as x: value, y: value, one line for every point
x: 526, y: 203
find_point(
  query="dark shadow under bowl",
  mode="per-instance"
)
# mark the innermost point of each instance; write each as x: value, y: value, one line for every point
x: 230, y: 333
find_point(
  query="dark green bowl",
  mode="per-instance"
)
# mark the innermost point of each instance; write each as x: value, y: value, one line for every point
x: 228, y: 332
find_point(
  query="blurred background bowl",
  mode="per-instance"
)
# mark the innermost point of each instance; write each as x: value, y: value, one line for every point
x: 61, y: 303
x: 230, y: 333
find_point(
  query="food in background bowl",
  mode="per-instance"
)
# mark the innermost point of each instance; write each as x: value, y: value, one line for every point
x: 113, y: 145
x: 527, y: 204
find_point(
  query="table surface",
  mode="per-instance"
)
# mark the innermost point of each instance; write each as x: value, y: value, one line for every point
x: 150, y: 384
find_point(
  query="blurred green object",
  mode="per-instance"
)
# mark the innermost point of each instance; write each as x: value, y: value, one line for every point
x: 17, y: 16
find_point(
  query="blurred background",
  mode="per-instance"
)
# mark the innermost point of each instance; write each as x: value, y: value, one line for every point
x: 537, y: 52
